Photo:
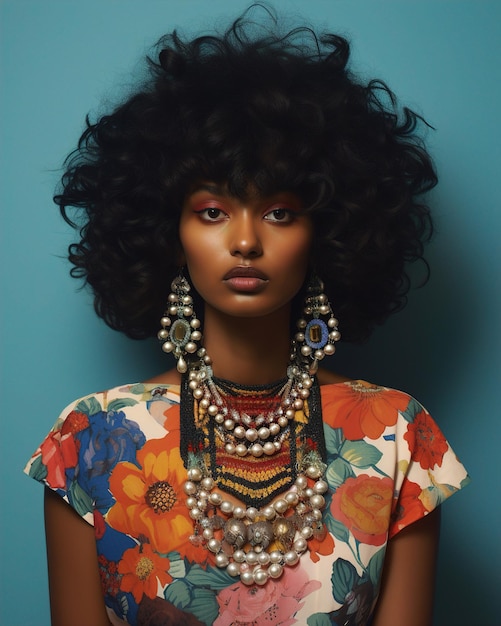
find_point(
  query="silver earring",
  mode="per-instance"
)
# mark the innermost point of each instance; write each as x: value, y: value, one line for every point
x: 317, y: 328
x: 180, y: 330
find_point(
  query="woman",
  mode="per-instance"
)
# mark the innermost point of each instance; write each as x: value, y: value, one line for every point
x: 275, y: 194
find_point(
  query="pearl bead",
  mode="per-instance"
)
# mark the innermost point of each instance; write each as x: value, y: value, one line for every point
x: 230, y: 448
x: 305, y: 350
x: 269, y: 448
x: 187, y: 311
x: 320, y: 486
x: 195, y: 513
x: 332, y: 323
x: 263, y: 558
x: 241, y: 449
x: 251, y: 434
x: 214, y: 545
x: 239, y: 556
x: 324, y: 309
x: 274, y: 429
x: 313, y: 472
x: 251, y: 557
x: 191, y: 347
x: 229, y: 424
x: 263, y: 433
x: 213, y: 410
x: 300, y: 545
x: 190, y: 488
x: 317, y: 501
x: 226, y: 507
x: 257, y: 450
x: 207, y: 533
x: 269, y: 512
x: 280, y: 506
x: 222, y: 560
x: 173, y: 310
x: 163, y: 334
x: 168, y: 346
x: 308, y: 492
x: 319, y: 354
x: 239, y: 512
x: 283, y: 421
x: 172, y: 297
x: 329, y: 349
x: 215, y: 499
x: 165, y: 321
x: 191, y: 502
x: 195, y: 474
x: 219, y: 418
x: 291, y: 557
x: 335, y: 335
x: 306, y: 532
x: 275, y: 570
x: 298, y: 404
x: 275, y: 556
x: 299, y: 337
x: 260, y: 576
x: 301, y: 481
x: 247, y: 578
x: 291, y: 498
x: 198, y: 393
x: 233, y: 569
x: 252, y: 513
x: 239, y: 432
x: 208, y: 483
x: 195, y: 324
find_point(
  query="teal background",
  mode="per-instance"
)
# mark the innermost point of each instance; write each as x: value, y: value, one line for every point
x: 60, y: 60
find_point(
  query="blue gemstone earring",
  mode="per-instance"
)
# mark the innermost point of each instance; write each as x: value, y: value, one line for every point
x: 180, y: 330
x: 318, y: 328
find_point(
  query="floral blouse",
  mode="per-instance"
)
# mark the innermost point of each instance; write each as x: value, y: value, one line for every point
x: 388, y: 465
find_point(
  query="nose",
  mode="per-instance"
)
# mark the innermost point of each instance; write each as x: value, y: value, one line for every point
x: 245, y: 237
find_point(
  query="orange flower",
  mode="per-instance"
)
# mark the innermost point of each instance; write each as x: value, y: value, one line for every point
x: 140, y: 568
x: 150, y: 500
x: 361, y: 409
x: 409, y: 507
x: 363, y: 505
x: 426, y: 442
x: 323, y: 547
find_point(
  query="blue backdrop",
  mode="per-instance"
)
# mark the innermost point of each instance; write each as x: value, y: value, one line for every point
x: 61, y: 59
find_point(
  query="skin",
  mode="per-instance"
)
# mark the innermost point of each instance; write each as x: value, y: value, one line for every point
x: 218, y: 233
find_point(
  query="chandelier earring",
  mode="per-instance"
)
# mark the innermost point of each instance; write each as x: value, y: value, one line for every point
x: 180, y: 330
x: 317, y: 328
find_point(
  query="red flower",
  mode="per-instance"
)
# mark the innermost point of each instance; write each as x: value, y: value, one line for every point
x: 58, y: 453
x: 141, y: 569
x: 361, y: 409
x: 426, y: 442
x: 409, y: 507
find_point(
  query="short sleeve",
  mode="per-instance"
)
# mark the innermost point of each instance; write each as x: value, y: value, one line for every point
x: 427, y: 470
x: 88, y: 439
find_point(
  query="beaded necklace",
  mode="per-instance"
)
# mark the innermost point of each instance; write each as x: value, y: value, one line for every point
x: 281, y: 485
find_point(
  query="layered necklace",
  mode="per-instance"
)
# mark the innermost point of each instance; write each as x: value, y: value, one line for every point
x: 264, y: 445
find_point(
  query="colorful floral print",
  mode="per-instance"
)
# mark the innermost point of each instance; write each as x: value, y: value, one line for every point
x: 115, y: 458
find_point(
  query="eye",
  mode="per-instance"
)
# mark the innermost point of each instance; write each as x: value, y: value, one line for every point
x: 280, y: 215
x: 211, y: 214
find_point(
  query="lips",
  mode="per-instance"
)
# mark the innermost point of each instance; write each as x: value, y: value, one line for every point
x: 245, y: 279
x: 243, y: 271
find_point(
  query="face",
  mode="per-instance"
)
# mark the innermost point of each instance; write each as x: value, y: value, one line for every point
x: 246, y: 258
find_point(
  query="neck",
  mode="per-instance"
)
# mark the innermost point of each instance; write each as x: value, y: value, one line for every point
x: 246, y: 350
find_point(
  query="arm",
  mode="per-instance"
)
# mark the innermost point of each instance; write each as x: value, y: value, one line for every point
x: 409, y: 575
x: 75, y: 590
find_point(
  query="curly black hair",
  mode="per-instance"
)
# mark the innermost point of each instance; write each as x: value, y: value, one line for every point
x: 261, y: 108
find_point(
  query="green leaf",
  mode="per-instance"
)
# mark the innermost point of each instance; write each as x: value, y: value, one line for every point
x: 38, y: 470
x: 344, y: 576
x: 413, y: 408
x: 138, y: 388
x: 119, y: 403
x: 204, y: 606
x: 89, y: 406
x: 211, y: 577
x: 360, y: 454
x: 319, y: 619
x: 79, y: 499
x: 375, y: 567
x: 334, y: 526
x: 178, y: 593
x: 333, y: 439
x: 337, y: 472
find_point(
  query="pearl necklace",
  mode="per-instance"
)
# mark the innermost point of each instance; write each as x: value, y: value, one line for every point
x: 253, y: 544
